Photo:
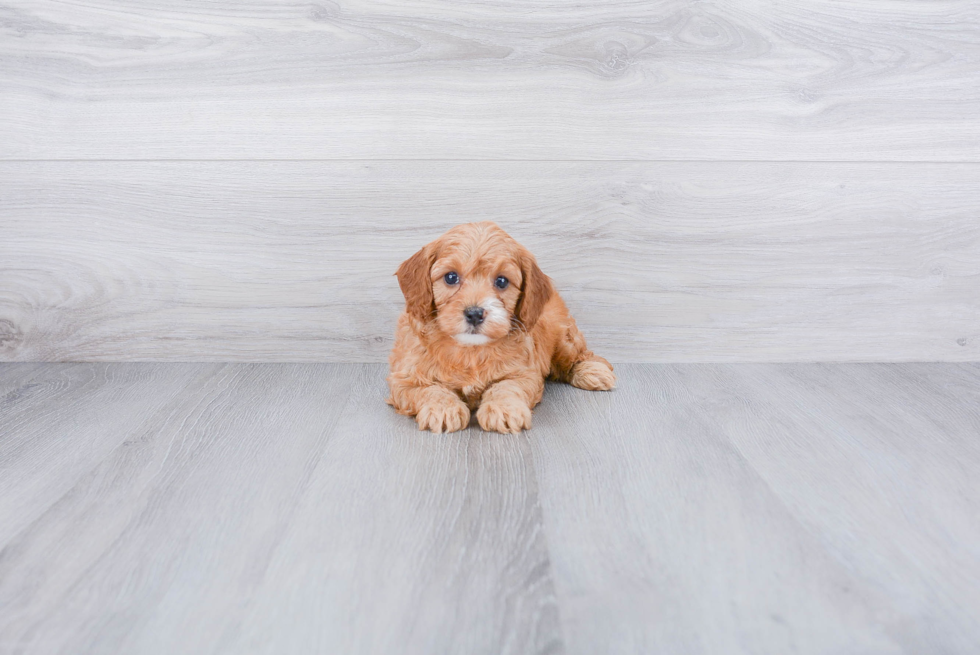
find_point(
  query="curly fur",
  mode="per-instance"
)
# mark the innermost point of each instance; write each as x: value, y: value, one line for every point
x: 442, y: 369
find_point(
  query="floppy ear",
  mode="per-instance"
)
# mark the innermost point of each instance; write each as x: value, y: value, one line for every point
x: 413, y: 278
x: 536, y: 290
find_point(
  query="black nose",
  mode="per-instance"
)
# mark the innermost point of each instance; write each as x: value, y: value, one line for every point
x: 474, y: 315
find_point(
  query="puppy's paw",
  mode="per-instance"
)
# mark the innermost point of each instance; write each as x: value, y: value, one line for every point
x: 593, y: 375
x: 444, y: 413
x: 504, y: 415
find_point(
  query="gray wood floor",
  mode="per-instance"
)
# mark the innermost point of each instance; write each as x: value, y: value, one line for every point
x: 238, y: 508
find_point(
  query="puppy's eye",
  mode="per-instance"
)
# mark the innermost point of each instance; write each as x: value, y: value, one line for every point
x: 451, y: 278
x: 501, y: 282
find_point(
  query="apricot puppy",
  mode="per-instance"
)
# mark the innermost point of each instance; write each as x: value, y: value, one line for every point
x: 482, y: 329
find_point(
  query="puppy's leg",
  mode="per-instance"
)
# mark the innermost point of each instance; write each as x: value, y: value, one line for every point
x: 574, y: 363
x: 434, y: 407
x: 506, y: 405
x: 594, y: 374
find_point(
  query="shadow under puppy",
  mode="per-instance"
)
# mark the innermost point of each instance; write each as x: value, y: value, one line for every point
x: 482, y: 329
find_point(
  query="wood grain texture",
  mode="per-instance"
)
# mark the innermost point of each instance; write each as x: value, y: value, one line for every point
x: 265, y: 508
x: 891, y: 450
x: 765, y: 509
x: 293, y: 261
x: 411, y: 542
x: 256, y: 508
x: 66, y: 420
x: 788, y: 80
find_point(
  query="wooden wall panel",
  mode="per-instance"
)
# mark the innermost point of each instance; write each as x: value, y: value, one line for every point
x: 878, y: 80
x: 293, y: 261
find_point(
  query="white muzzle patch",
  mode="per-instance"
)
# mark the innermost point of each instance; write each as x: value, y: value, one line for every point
x: 470, y: 339
x: 494, y: 312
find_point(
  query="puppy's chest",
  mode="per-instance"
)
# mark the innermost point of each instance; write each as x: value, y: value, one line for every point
x: 471, y: 374
x: 471, y: 394
x: 471, y: 386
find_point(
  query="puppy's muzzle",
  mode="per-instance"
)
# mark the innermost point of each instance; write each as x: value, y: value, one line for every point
x: 474, y: 315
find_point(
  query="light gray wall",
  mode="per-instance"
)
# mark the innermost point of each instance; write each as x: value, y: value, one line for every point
x: 727, y: 181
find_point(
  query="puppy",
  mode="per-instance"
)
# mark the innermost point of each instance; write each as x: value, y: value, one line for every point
x: 482, y: 329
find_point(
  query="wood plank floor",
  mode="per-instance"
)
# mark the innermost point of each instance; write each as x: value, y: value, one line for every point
x: 283, y: 508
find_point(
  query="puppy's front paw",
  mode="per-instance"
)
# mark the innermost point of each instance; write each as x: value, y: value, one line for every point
x: 504, y: 415
x: 445, y: 413
x: 593, y: 375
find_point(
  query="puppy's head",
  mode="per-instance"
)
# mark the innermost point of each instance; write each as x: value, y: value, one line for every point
x: 475, y: 283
